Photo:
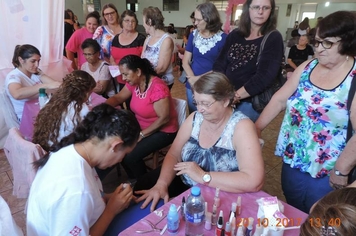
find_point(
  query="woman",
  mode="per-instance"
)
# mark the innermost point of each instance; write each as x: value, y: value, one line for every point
x: 209, y: 148
x: 129, y: 42
x: 313, y: 132
x: 304, y: 27
x: 65, y: 110
x: 68, y: 29
x: 23, y: 83
x: 152, y: 104
x: 76, y: 40
x: 203, y: 46
x: 159, y: 46
x: 334, y: 214
x: 111, y: 26
x: 238, y: 58
x: 181, y: 48
x: 299, y: 53
x: 97, y: 68
x: 58, y: 205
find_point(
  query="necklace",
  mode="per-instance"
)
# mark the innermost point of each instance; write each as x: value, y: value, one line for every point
x: 86, y: 152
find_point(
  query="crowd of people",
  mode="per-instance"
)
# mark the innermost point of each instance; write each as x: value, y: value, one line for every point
x: 224, y: 73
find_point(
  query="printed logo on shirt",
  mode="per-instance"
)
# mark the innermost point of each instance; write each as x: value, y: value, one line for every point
x: 75, y: 231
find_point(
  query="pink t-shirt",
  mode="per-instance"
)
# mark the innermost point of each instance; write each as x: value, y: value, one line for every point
x: 75, y: 42
x: 142, y: 105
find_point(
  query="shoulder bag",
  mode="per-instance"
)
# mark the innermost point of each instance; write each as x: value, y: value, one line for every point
x: 352, y: 174
x: 260, y: 101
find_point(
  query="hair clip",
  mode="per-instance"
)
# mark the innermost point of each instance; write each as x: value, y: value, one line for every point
x: 327, y: 231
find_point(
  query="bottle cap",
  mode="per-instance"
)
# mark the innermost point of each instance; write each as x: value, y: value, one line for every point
x: 42, y: 91
x: 173, y: 208
x: 195, y: 191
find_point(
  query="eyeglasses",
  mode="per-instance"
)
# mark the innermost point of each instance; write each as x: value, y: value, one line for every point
x: 88, y: 54
x: 130, y: 21
x: 203, y: 105
x: 325, y: 43
x: 197, y: 20
x: 258, y: 8
x: 110, y: 13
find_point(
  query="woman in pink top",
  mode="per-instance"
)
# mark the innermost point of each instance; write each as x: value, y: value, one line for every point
x: 78, y: 37
x: 153, y: 106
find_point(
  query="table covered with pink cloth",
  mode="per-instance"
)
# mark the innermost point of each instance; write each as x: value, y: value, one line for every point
x: 32, y: 108
x: 249, y: 209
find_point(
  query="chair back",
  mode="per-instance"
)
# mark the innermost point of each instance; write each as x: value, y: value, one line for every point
x: 181, y: 108
x: 21, y: 154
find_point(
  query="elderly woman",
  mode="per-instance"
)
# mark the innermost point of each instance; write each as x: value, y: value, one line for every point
x: 97, y: 68
x: 203, y: 47
x: 209, y: 148
x: 101, y: 140
x: 238, y: 58
x: 313, y: 132
x: 65, y: 110
x: 23, y: 83
x: 105, y: 33
x: 152, y: 104
x: 299, y: 53
x: 159, y: 46
x: 78, y: 37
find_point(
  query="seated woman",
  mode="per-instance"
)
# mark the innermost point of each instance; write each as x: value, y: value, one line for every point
x: 97, y: 68
x: 65, y: 110
x: 214, y: 144
x: 153, y: 106
x: 76, y: 203
x: 23, y: 83
x: 334, y: 214
x: 299, y: 53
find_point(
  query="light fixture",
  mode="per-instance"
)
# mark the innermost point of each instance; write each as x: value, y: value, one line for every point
x: 327, y: 4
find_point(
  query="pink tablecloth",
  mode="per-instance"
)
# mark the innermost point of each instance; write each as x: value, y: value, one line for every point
x: 32, y: 109
x: 249, y: 209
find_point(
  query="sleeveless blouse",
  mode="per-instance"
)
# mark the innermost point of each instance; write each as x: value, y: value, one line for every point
x: 221, y: 156
x: 314, y: 127
x: 151, y: 52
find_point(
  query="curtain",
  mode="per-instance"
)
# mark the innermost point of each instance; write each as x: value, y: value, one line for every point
x: 36, y: 22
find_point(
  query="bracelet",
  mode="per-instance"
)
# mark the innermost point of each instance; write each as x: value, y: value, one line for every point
x: 338, y: 173
x: 142, y: 135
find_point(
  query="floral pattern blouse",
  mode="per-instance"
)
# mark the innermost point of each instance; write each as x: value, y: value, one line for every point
x: 313, y: 131
x: 104, y: 37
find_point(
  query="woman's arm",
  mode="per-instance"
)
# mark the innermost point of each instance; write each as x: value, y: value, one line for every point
x: 165, y: 56
x: 160, y: 190
x: 221, y: 62
x: 103, y: 81
x: 70, y: 56
x: 291, y: 63
x: 119, y: 98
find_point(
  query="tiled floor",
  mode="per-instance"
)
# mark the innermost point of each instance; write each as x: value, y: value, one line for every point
x: 272, y: 182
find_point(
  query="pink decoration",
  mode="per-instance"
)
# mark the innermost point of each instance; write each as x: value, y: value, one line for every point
x: 228, y: 12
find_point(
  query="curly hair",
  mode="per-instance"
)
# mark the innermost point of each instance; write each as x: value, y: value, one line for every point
x: 76, y: 88
x: 101, y: 122
x: 154, y: 17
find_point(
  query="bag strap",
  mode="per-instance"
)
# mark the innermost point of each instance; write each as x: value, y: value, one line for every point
x: 263, y: 45
x: 349, y: 101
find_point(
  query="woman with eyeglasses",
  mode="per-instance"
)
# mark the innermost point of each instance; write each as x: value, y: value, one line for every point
x: 74, y: 44
x: 128, y: 42
x: 238, y: 59
x: 215, y: 144
x: 97, y: 68
x: 312, y: 138
x: 203, y: 47
x: 110, y: 27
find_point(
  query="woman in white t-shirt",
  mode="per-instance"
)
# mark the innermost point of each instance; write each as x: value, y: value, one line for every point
x: 66, y: 196
x: 23, y: 82
x: 65, y: 110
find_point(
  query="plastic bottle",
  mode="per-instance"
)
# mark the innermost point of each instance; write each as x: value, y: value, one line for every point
x: 172, y: 220
x: 42, y: 98
x: 194, y: 213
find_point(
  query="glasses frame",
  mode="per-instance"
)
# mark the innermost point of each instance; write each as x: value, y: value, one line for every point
x: 317, y: 43
x: 205, y: 106
x: 198, y: 20
x: 258, y: 8
x: 110, y: 13
x: 129, y: 21
x: 89, y: 54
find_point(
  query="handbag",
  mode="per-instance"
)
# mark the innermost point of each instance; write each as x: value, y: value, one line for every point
x: 260, y: 101
x: 352, y: 174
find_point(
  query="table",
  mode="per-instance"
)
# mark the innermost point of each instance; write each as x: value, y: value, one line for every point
x: 31, y: 110
x: 249, y: 209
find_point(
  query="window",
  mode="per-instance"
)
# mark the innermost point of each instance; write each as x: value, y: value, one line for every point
x: 310, y: 15
x: 93, y: 5
x: 170, y: 5
x: 132, y: 5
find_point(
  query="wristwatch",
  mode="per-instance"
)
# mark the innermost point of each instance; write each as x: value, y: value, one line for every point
x: 338, y: 173
x: 206, y: 178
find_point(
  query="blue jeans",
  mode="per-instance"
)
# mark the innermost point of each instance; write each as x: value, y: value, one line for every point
x: 247, y: 109
x: 301, y: 190
x: 189, y: 94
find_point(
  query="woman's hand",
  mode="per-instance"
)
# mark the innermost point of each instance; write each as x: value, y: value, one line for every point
x: 192, y: 169
x: 98, y: 88
x: 154, y: 194
x: 336, y: 181
x: 120, y: 199
x: 52, y: 85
